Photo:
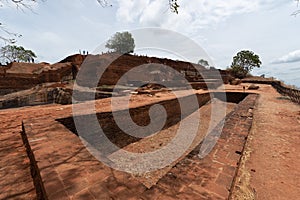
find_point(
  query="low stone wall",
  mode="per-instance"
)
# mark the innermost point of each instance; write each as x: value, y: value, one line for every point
x: 19, y: 83
x: 35, y: 172
x: 293, y: 94
x: 258, y: 81
x: 140, y: 116
x: 206, y: 85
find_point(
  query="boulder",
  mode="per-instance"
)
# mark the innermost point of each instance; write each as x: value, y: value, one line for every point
x: 253, y: 87
x: 236, y: 82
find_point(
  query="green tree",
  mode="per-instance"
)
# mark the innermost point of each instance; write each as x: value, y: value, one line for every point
x: 121, y: 42
x: 243, y: 63
x: 203, y: 62
x: 11, y: 53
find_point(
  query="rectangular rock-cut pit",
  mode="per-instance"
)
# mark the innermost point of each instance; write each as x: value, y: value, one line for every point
x: 67, y: 168
x: 140, y: 116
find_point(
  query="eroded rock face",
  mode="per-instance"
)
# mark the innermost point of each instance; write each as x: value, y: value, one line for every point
x: 23, y: 76
x: 26, y: 77
x: 31, y: 97
x: 37, y: 96
x: 62, y: 96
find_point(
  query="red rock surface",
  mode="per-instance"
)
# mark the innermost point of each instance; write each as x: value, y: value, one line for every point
x: 271, y: 169
x: 68, y: 170
x: 271, y: 163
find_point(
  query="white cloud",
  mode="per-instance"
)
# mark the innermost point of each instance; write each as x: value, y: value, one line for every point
x: 130, y: 10
x: 153, y: 13
x: 291, y: 57
x: 192, y: 16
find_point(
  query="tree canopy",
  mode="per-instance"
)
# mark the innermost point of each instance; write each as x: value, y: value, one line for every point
x: 121, y: 42
x: 203, y: 62
x: 13, y: 53
x: 243, y: 63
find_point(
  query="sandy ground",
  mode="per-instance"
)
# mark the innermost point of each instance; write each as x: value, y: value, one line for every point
x: 271, y: 163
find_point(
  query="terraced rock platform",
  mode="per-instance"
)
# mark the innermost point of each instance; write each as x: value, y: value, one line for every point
x: 62, y: 168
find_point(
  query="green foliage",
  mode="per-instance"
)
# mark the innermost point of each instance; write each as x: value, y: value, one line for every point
x: 243, y: 63
x: 174, y: 6
x: 121, y: 43
x: 11, y: 53
x: 203, y: 62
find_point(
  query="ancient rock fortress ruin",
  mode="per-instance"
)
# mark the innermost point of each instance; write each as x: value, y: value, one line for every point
x: 42, y: 156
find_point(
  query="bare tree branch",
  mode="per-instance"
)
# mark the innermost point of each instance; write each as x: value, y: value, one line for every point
x: 5, y: 31
x: 103, y: 3
x: 6, y: 35
x: 174, y: 6
x: 297, y: 11
x: 20, y: 4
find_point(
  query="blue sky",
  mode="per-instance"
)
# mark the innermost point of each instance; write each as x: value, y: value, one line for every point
x: 55, y: 29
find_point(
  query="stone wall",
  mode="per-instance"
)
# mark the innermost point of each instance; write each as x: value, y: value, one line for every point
x: 286, y: 91
x: 22, y: 76
x: 109, y: 68
x: 292, y: 93
x: 28, y: 79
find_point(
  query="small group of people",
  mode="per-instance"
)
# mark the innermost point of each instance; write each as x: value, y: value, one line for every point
x: 83, y: 52
x: 30, y: 60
